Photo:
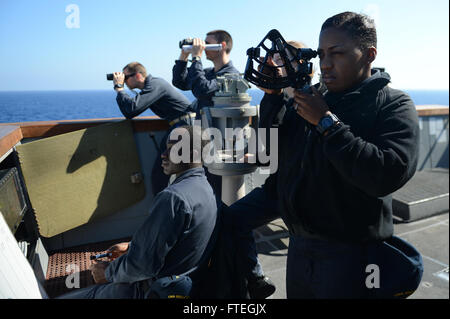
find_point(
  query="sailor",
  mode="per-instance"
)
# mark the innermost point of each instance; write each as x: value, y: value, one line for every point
x: 157, y: 95
x: 259, y: 285
x: 342, y: 153
x: 171, y: 240
x: 202, y: 81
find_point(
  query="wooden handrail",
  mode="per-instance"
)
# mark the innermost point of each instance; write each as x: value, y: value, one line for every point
x: 52, y: 128
x: 10, y: 135
x: 431, y: 110
x: 13, y: 133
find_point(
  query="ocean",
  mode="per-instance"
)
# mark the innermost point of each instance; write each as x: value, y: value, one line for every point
x: 22, y: 106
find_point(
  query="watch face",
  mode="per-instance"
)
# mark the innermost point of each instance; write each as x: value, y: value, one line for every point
x: 326, y: 122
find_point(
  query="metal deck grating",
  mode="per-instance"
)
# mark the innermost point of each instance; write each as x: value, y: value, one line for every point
x: 63, y: 263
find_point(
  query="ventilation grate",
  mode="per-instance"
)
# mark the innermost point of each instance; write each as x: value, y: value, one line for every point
x: 73, y: 262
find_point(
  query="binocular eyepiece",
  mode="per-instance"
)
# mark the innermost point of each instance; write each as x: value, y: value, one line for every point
x: 187, y: 41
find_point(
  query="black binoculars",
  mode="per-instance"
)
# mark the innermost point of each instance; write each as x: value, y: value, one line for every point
x: 187, y: 41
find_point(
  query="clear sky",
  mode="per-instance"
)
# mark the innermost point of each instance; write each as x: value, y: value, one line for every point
x: 43, y: 47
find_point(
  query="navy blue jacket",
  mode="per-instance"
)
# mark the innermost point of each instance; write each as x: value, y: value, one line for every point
x: 158, y: 95
x: 339, y: 186
x: 201, y: 81
x: 174, y: 236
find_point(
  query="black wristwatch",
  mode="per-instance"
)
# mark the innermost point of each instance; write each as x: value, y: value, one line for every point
x: 327, y: 122
x: 118, y: 86
x: 195, y: 58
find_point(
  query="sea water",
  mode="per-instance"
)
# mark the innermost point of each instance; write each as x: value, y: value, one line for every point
x: 22, y: 106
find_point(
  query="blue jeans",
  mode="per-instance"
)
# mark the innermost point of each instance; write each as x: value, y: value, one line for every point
x: 250, y: 212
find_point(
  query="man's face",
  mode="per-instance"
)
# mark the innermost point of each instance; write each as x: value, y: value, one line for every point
x: 130, y: 79
x: 211, y: 54
x: 342, y: 63
x: 279, y: 61
x: 168, y: 165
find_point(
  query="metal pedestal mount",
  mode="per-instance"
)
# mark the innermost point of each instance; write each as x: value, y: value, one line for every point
x: 228, y: 123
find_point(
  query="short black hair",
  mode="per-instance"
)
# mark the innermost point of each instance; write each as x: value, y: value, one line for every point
x: 222, y: 36
x: 360, y: 27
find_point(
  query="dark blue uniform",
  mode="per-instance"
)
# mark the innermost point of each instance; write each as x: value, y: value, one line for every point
x: 159, y: 96
x: 171, y: 241
x: 201, y: 81
x: 204, y: 85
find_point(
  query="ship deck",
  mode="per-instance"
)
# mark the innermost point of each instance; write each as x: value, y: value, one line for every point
x: 428, y: 235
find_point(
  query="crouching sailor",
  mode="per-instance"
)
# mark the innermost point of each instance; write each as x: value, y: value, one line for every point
x: 171, y: 240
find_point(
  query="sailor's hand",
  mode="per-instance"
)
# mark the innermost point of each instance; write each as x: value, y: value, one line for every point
x: 118, y: 250
x: 184, y: 55
x: 198, y: 46
x: 98, y: 271
x: 271, y: 72
x: 118, y: 78
x: 312, y: 107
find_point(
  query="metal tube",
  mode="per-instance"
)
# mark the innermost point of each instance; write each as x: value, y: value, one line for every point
x: 233, y: 188
x: 208, y: 47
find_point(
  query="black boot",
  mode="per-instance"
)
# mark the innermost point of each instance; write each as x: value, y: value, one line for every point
x: 260, y: 287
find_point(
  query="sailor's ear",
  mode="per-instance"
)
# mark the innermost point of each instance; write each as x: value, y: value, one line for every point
x: 371, y: 54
